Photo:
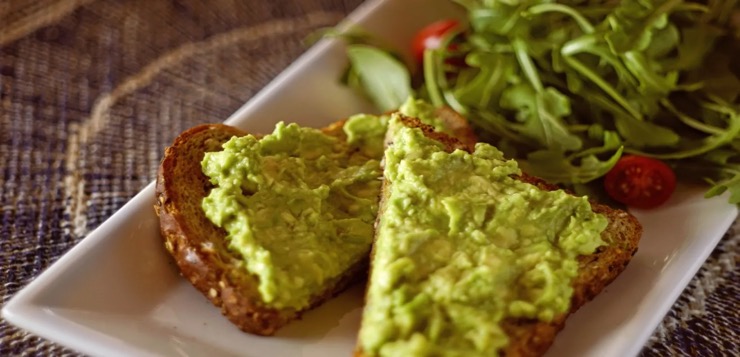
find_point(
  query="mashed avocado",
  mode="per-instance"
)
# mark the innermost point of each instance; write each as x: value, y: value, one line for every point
x: 425, y: 112
x: 462, y: 246
x: 298, y: 205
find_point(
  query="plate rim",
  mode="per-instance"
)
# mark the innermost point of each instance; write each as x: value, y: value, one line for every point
x: 22, y: 310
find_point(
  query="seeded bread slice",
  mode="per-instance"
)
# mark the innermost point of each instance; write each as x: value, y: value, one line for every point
x: 528, y: 337
x: 199, y: 247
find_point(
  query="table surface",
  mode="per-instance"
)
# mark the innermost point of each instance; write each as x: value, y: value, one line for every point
x: 91, y: 92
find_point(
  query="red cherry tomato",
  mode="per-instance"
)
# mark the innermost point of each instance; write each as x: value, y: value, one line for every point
x: 430, y: 37
x: 640, y: 182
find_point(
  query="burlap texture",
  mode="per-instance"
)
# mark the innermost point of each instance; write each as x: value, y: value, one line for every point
x: 91, y: 91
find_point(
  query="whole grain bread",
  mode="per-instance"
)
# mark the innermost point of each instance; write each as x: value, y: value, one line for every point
x: 530, y: 337
x: 199, y: 247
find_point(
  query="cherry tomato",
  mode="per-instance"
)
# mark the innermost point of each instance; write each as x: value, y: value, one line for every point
x: 430, y: 37
x: 640, y: 182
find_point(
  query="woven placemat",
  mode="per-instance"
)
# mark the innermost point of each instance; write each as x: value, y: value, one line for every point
x: 92, y: 91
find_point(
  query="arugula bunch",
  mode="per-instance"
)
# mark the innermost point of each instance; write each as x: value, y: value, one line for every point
x: 569, y: 86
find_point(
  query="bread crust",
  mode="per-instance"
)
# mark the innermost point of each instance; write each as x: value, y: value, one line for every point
x: 531, y: 337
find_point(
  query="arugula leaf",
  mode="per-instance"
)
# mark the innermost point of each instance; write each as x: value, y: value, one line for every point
x: 642, y: 134
x: 708, y: 143
x: 731, y: 184
x: 497, y: 17
x: 555, y: 167
x: 724, y: 177
x: 696, y: 42
x: 611, y: 141
x: 664, y: 41
x: 494, y: 71
x: 634, y: 22
x: 568, y: 52
x: 542, y: 114
x: 650, y: 80
x: 433, y: 76
x: 582, y: 22
x: 717, y: 76
x: 570, y: 85
x: 384, y: 78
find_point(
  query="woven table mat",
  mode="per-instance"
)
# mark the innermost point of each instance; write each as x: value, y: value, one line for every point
x: 91, y: 92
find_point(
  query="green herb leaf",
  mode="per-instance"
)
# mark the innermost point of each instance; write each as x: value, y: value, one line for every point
x: 691, y: 148
x: 731, y: 184
x: 498, y: 17
x: 569, y: 85
x: 542, y: 114
x: 645, y: 134
x: 555, y: 167
x: 386, y: 80
x: 494, y: 72
x: 634, y: 21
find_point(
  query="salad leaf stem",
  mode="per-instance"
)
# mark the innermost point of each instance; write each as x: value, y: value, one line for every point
x: 432, y: 62
x: 601, y: 83
x: 590, y: 44
x: 520, y: 49
x: 553, y: 167
x: 689, y: 121
x: 707, y: 144
x: 582, y: 22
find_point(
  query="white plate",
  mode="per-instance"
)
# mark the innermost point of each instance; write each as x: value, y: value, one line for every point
x: 117, y: 293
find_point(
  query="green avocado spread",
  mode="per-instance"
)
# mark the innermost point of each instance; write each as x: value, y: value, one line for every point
x: 425, y: 112
x: 298, y: 205
x: 461, y: 246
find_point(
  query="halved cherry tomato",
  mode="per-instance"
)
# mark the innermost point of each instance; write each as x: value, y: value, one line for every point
x: 430, y: 37
x: 640, y: 182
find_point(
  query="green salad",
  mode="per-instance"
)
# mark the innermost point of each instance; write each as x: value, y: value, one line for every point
x: 571, y: 88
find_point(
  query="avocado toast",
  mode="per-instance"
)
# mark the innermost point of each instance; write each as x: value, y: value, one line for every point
x: 472, y: 257
x: 218, y: 268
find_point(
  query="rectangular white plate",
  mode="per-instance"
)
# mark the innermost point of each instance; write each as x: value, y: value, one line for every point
x: 117, y: 293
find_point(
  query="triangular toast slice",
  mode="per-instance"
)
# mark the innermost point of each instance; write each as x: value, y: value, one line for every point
x: 525, y: 336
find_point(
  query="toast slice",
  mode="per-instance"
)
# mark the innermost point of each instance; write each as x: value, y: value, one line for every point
x: 199, y: 247
x: 532, y: 337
